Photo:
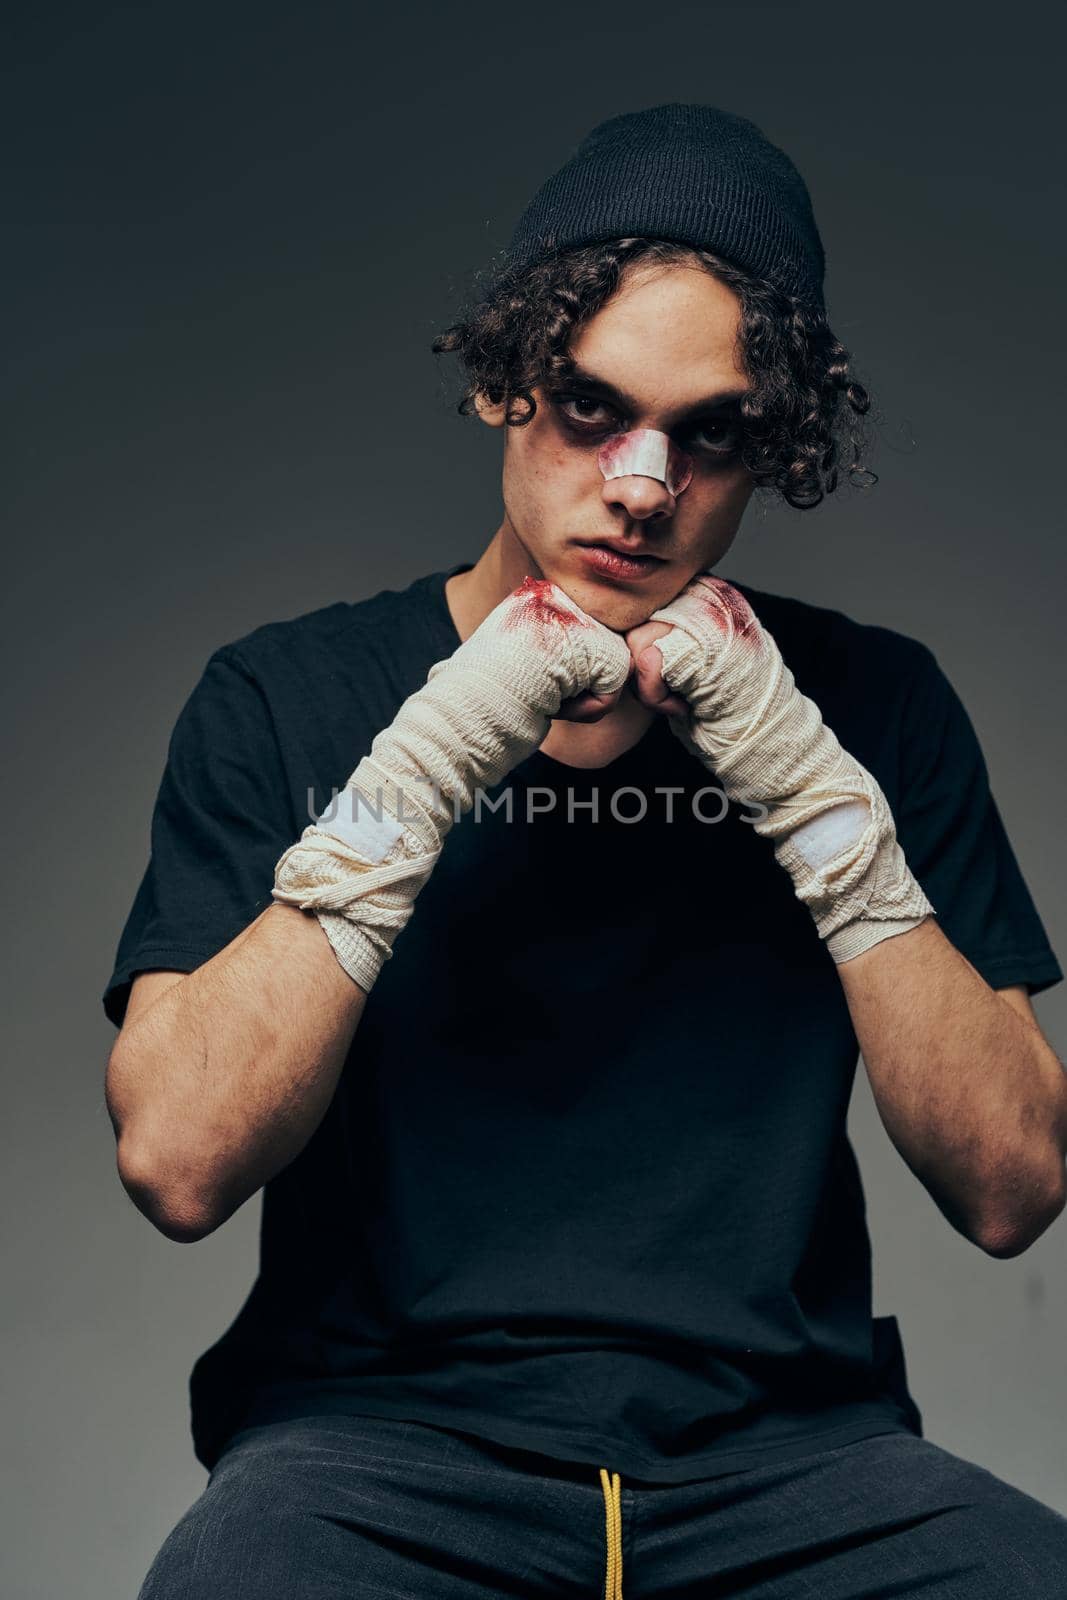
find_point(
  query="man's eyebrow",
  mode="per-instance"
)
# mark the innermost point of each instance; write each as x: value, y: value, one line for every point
x: 581, y: 378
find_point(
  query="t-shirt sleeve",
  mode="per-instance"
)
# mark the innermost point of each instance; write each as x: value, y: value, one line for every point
x: 221, y: 820
x: 954, y: 840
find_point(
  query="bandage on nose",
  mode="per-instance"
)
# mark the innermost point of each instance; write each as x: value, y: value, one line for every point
x: 646, y: 453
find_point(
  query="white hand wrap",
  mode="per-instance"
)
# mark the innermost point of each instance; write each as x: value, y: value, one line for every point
x: 832, y: 828
x: 481, y: 711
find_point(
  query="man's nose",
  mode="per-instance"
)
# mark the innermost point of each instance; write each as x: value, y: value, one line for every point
x: 644, y: 499
x: 644, y: 472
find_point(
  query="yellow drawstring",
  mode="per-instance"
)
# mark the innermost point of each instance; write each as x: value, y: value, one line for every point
x: 613, y: 1509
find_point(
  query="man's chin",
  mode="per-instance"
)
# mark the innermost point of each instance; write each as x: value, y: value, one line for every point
x: 618, y: 612
x: 614, y: 607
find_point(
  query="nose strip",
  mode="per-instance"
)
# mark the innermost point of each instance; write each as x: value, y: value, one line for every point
x: 646, y: 453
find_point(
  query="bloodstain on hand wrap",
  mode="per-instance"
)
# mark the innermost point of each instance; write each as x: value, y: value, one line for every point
x: 539, y: 608
x: 360, y: 866
x: 827, y: 816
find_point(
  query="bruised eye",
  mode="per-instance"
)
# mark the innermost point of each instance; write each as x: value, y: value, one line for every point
x: 585, y: 414
x: 563, y: 401
x: 718, y: 434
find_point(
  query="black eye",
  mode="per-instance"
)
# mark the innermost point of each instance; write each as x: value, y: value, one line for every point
x: 564, y: 402
x: 711, y: 436
x: 717, y: 435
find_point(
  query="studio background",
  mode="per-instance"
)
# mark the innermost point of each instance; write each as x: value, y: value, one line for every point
x: 229, y: 241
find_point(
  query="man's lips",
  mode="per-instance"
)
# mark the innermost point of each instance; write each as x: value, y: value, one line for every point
x: 612, y: 561
x: 621, y: 548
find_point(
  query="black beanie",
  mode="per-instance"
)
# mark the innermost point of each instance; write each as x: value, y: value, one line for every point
x: 689, y: 173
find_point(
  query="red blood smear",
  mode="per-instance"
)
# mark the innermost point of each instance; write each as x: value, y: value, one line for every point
x: 729, y: 609
x: 537, y: 607
x: 610, y: 451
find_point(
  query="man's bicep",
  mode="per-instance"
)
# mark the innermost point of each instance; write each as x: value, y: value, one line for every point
x: 955, y: 842
x: 221, y: 820
x: 146, y: 989
x: 1018, y: 998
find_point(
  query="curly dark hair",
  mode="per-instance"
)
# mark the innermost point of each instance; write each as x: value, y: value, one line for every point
x: 794, y: 426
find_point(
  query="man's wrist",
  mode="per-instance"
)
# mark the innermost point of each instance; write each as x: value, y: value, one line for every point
x: 768, y: 744
x: 361, y: 952
x: 864, y: 891
x: 857, y: 937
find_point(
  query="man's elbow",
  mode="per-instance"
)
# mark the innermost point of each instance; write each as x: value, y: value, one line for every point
x: 179, y: 1212
x: 1010, y: 1230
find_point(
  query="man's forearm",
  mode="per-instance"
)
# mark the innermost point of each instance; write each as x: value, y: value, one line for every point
x: 970, y: 1092
x: 225, y: 1077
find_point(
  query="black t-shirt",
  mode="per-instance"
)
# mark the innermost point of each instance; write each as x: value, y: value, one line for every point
x: 585, y: 1186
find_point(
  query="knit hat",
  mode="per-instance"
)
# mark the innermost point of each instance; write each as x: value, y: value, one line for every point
x: 691, y: 173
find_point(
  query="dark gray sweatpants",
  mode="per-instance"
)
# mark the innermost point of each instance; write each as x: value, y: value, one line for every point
x: 368, y: 1508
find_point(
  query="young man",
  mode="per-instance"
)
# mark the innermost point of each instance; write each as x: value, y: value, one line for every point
x: 517, y: 931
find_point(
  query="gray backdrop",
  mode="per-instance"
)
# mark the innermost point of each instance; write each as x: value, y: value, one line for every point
x: 229, y: 244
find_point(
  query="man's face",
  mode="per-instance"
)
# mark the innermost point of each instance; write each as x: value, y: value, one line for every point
x: 664, y: 348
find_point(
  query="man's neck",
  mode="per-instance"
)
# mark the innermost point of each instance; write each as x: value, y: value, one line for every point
x: 501, y: 568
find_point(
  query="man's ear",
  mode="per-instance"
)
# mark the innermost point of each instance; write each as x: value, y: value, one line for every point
x: 489, y: 412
